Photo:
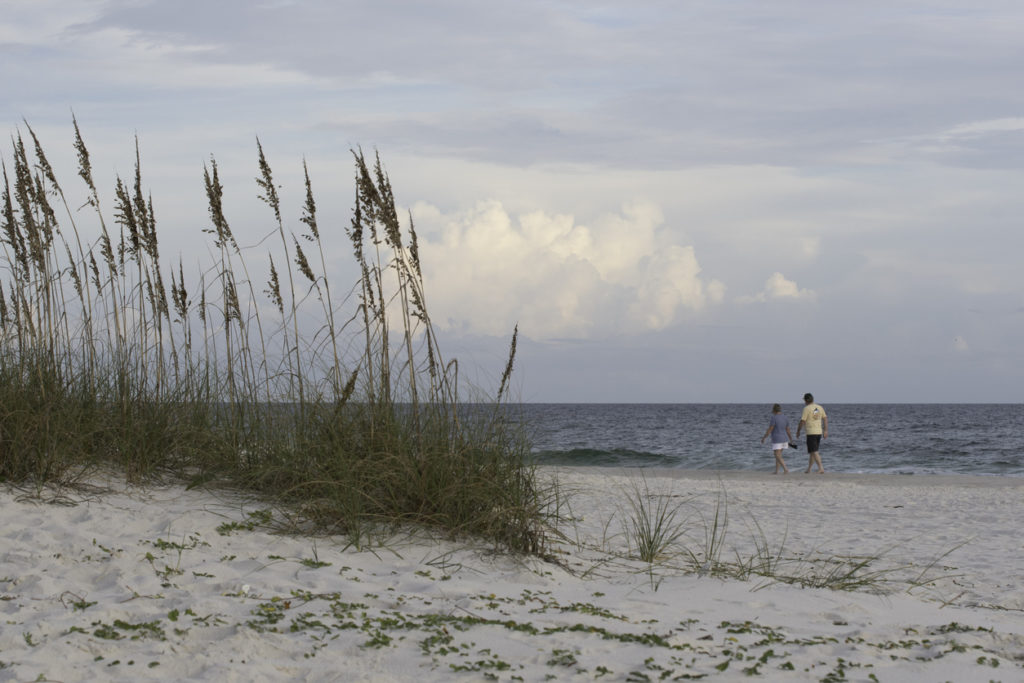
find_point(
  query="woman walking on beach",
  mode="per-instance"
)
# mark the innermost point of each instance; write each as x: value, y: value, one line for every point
x: 778, y: 430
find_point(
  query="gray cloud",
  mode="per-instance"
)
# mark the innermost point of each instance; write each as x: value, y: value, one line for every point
x: 649, y: 84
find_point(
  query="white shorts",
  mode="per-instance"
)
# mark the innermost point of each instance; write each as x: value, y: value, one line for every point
x: 780, y: 446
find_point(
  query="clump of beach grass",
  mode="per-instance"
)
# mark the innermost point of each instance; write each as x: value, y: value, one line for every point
x: 113, y: 356
x: 653, y: 521
x: 676, y: 536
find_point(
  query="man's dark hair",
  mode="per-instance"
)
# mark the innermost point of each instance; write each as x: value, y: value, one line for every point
x: 808, y: 397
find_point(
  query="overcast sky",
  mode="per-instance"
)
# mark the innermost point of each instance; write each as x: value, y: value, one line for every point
x: 707, y: 201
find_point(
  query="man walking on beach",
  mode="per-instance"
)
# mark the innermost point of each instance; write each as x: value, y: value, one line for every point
x: 814, y: 422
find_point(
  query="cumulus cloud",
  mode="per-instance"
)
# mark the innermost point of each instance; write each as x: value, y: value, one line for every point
x: 778, y: 287
x: 486, y: 270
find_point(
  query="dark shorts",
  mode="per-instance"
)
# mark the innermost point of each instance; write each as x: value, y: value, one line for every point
x: 813, y: 443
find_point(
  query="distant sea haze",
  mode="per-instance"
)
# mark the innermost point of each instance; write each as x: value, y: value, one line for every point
x: 981, y: 439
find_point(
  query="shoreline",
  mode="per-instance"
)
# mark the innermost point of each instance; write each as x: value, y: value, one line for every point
x: 867, y: 478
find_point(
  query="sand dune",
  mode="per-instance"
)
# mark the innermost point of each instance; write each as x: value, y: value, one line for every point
x: 164, y: 583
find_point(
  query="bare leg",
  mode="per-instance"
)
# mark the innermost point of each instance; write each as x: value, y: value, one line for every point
x: 779, y: 462
x: 816, y: 459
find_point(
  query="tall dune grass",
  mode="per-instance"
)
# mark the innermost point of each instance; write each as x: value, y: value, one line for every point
x: 113, y: 356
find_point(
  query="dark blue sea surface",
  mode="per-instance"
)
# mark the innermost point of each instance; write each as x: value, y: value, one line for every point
x: 986, y: 439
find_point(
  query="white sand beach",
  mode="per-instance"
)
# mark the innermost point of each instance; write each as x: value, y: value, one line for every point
x: 132, y: 584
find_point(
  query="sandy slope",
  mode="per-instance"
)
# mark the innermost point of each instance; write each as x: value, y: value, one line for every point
x: 172, y: 584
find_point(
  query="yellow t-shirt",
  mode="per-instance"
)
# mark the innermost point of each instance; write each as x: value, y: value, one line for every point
x: 812, y: 416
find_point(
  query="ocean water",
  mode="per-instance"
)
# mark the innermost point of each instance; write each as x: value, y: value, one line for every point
x: 980, y: 439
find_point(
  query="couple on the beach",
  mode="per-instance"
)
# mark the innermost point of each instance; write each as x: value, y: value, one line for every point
x: 814, y: 423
